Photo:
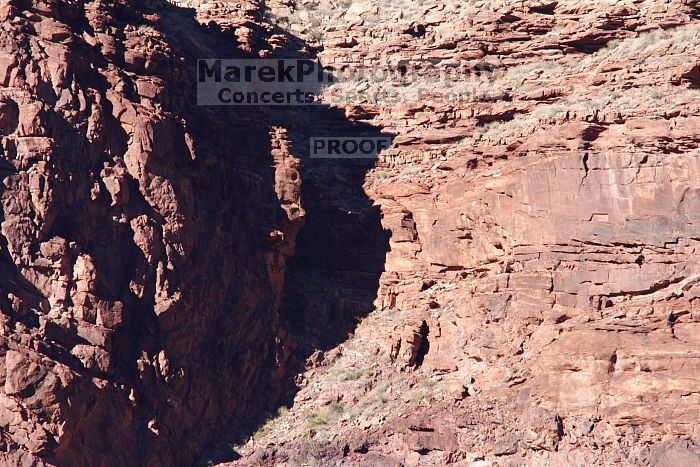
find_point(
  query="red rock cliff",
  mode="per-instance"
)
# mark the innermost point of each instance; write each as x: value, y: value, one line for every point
x: 144, y: 238
x: 519, y: 272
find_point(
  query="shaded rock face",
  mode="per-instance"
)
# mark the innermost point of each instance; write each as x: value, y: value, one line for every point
x: 522, y: 262
x: 340, y: 253
x: 144, y: 239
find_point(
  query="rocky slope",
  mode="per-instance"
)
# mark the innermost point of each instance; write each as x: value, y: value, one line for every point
x: 518, y: 272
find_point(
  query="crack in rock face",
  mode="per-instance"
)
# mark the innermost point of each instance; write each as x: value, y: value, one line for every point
x: 511, y: 278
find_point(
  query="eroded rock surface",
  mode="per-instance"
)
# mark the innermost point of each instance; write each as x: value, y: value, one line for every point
x: 538, y: 304
x: 525, y: 254
x: 144, y: 239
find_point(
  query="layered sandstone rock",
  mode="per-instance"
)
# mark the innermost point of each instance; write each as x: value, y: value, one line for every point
x: 524, y: 256
x: 538, y: 300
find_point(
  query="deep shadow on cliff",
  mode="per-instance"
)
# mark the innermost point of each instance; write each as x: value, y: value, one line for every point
x: 146, y: 281
x: 331, y: 281
x: 340, y: 254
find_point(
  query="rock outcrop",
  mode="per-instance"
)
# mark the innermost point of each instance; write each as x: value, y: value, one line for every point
x: 144, y: 239
x: 514, y: 282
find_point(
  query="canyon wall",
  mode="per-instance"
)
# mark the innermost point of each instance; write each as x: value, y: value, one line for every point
x: 144, y: 238
x: 539, y: 300
x: 513, y: 282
